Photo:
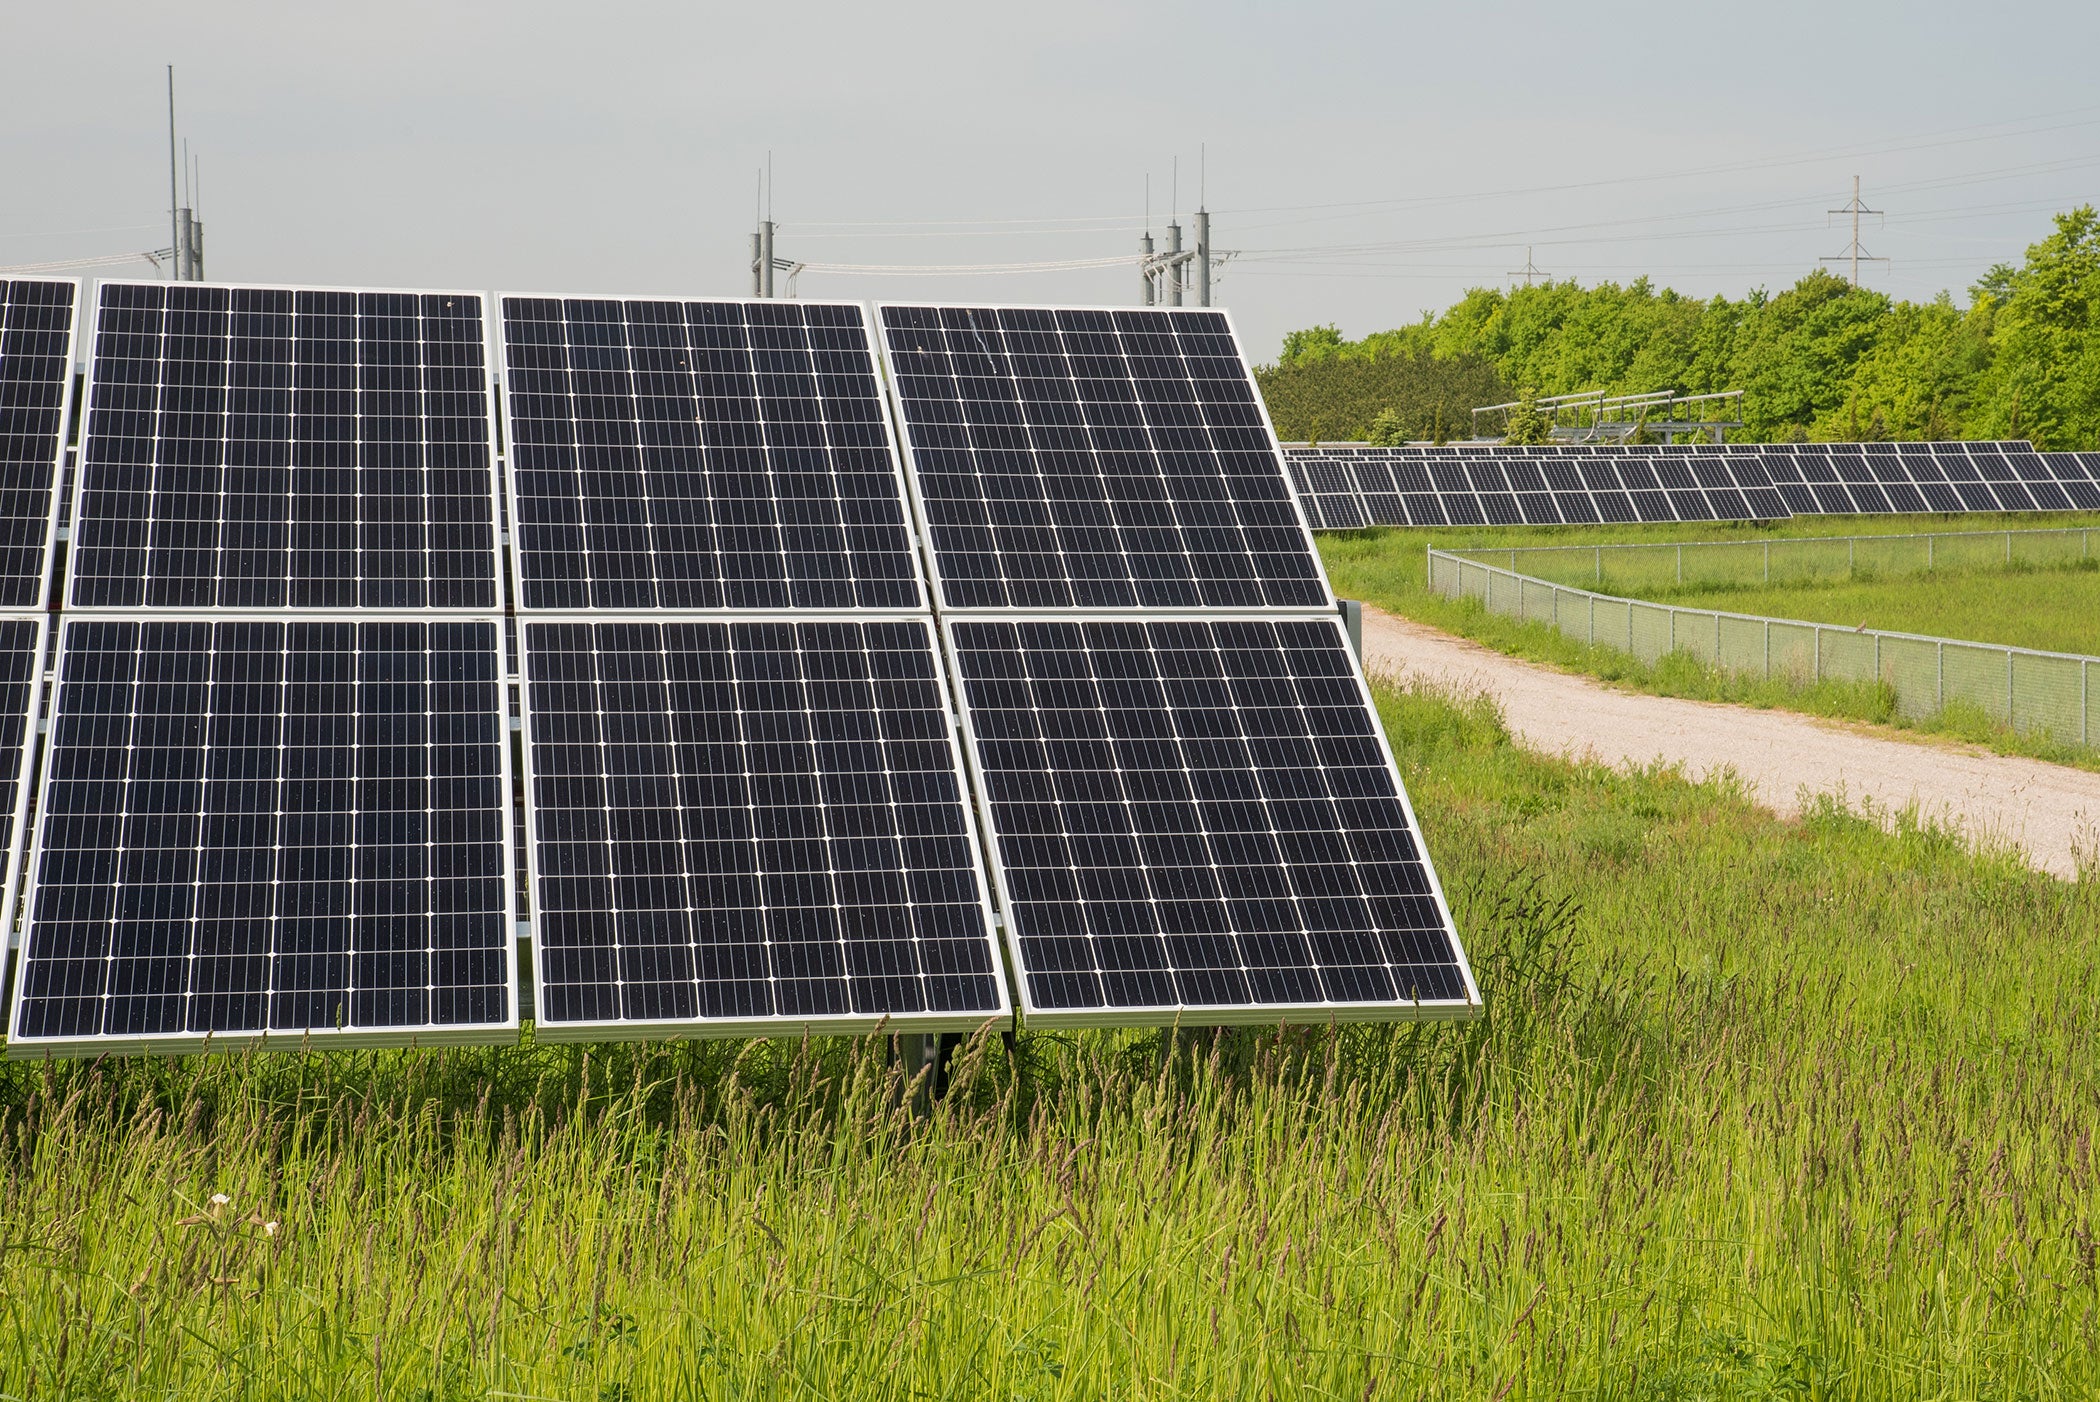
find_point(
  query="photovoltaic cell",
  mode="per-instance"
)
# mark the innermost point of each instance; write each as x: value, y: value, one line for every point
x: 286, y: 448
x: 37, y: 320
x: 283, y: 828
x: 702, y: 455
x: 750, y: 827
x: 1067, y: 458
x: 1199, y: 821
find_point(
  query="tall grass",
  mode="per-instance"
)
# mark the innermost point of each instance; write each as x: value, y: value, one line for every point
x: 1757, y: 1110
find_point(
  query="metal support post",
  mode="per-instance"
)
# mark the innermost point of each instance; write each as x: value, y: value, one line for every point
x: 1202, y: 257
x: 1175, y: 275
x: 1145, y: 273
x: 758, y: 263
x: 765, y: 258
x: 182, y: 246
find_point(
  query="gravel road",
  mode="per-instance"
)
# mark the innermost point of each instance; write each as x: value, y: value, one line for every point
x: 2052, y: 812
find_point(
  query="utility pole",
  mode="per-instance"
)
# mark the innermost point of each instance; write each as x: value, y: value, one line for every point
x: 1529, y: 270
x: 1145, y: 266
x: 1855, y: 254
x: 1175, y: 275
x: 177, y: 262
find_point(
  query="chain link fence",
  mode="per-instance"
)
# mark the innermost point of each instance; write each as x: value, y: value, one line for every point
x: 2041, y: 693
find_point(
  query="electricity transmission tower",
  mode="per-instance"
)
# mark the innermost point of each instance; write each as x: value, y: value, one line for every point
x: 1530, y: 270
x: 1855, y: 254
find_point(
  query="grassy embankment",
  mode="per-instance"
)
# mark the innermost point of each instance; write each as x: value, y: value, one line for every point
x: 1758, y: 1110
x: 2052, y: 608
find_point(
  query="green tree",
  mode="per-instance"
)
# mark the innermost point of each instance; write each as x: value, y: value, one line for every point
x: 1526, y: 423
x: 1386, y: 430
x: 2044, y: 377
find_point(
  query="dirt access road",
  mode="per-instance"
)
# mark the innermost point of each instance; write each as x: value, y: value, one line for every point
x: 2052, y: 812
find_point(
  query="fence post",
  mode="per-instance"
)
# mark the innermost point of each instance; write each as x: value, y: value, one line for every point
x: 1680, y: 580
x: 1851, y: 559
x: 2085, y: 704
x: 1941, y: 679
x: 2008, y: 676
x: 2008, y: 547
x: 1593, y: 620
x: 1717, y: 641
x: 1929, y: 540
x: 1768, y: 562
x: 1877, y: 658
x: 1768, y: 637
x: 1819, y: 655
x: 1600, y: 564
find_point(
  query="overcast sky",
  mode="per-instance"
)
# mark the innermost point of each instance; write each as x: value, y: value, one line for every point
x: 1369, y: 162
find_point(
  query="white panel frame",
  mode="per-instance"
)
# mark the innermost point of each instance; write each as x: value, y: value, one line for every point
x: 318, y: 1039
x: 615, y: 1029
x: 1195, y: 1014
x: 496, y: 604
x: 935, y: 580
x: 500, y: 347
x: 32, y: 752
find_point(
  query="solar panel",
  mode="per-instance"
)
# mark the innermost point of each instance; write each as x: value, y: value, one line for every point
x: 750, y: 827
x: 1073, y: 458
x: 275, y: 829
x: 21, y: 690
x: 1199, y: 821
x: 286, y: 448
x: 701, y: 455
x: 37, y: 322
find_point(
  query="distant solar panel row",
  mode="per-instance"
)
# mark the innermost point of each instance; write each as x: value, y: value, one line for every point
x: 37, y: 321
x: 1348, y: 486
x: 1352, y: 487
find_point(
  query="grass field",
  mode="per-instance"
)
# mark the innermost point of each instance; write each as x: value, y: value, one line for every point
x: 2056, y: 609
x: 1758, y: 1110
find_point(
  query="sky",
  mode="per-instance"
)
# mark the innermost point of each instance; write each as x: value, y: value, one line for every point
x: 1363, y: 163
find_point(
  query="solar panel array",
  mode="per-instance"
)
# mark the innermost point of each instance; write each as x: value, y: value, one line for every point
x: 279, y: 447
x: 1192, y: 815
x: 274, y: 803
x: 742, y: 820
x: 37, y: 320
x: 1348, y: 486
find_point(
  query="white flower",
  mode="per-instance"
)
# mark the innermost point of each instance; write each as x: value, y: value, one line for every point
x: 269, y: 1229
x: 220, y: 1199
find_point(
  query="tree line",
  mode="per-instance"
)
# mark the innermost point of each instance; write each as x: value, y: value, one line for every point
x: 1821, y: 360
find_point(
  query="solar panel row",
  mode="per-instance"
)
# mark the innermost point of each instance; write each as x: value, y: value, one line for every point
x: 296, y: 824
x: 1348, y: 486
